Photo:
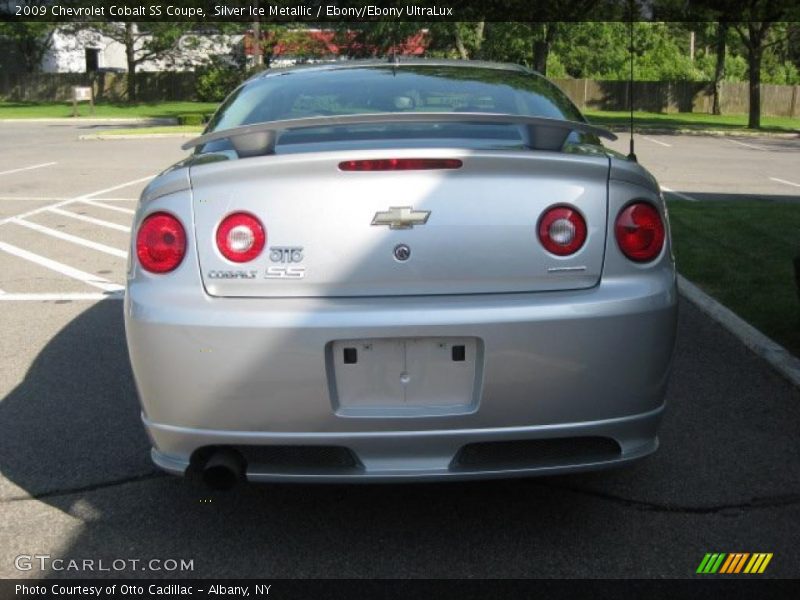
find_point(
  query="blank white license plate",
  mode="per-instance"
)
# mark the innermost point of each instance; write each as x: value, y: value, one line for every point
x: 405, y: 375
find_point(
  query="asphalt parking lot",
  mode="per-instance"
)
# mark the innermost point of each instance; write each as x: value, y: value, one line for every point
x: 77, y: 481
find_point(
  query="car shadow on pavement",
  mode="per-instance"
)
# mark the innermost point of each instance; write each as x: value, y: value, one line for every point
x: 71, y: 438
x: 72, y: 423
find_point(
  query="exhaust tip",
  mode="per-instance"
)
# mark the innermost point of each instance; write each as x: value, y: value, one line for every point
x: 224, y: 470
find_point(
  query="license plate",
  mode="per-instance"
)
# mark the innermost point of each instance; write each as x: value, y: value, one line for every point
x: 407, y: 376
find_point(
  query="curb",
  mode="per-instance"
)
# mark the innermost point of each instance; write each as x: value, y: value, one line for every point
x: 776, y: 355
x: 77, y: 120
x: 707, y: 132
x: 135, y: 136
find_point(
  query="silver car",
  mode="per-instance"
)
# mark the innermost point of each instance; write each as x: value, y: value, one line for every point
x: 400, y: 271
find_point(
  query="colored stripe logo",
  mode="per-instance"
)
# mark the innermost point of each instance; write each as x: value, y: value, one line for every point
x: 734, y: 563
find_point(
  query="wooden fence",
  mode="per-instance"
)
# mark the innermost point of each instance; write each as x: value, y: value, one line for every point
x: 110, y: 87
x: 680, y: 96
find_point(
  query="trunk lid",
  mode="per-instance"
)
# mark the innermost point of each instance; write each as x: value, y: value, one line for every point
x: 479, y: 237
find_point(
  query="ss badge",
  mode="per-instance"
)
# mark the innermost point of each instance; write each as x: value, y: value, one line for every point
x: 285, y: 254
x: 277, y: 272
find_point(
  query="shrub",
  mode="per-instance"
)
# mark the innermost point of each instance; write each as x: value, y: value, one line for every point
x: 193, y: 119
x: 217, y: 79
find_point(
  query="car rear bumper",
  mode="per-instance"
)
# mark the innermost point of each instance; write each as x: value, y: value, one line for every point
x: 419, y: 455
x: 584, y: 370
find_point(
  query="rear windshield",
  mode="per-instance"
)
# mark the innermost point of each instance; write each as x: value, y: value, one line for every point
x: 370, y: 89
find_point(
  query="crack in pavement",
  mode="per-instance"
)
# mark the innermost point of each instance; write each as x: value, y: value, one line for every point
x: 752, y: 504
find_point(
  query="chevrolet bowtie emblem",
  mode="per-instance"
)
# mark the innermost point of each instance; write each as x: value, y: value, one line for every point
x: 401, y: 217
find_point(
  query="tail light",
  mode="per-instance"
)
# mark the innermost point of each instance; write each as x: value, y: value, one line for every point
x: 640, y: 231
x: 160, y: 243
x: 400, y: 164
x: 241, y: 237
x: 562, y: 230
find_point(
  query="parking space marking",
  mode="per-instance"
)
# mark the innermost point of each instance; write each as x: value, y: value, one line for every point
x: 93, y: 280
x: 128, y: 211
x: 36, y: 211
x: 783, y: 181
x: 745, y: 144
x: 72, y: 238
x: 39, y: 166
x: 61, y: 198
x: 678, y: 194
x: 64, y: 297
x: 37, y: 198
x: 660, y: 143
x: 92, y: 220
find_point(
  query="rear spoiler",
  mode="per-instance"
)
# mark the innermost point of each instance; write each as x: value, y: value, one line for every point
x: 540, y: 133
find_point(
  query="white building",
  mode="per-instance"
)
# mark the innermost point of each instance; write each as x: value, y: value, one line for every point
x: 88, y: 50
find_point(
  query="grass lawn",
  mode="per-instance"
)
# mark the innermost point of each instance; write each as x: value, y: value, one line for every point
x: 741, y: 253
x: 698, y: 121
x: 50, y: 110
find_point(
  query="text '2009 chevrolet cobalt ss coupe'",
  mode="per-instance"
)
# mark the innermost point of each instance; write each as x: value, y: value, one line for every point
x: 400, y: 271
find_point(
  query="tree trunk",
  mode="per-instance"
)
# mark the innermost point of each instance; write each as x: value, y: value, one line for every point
x: 754, y: 113
x: 480, y: 27
x: 130, y: 57
x: 541, y: 46
x: 754, y: 42
x: 462, y: 49
x: 540, y: 52
x: 719, y: 68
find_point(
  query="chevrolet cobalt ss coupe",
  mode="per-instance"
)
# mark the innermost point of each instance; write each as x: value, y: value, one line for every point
x: 400, y: 271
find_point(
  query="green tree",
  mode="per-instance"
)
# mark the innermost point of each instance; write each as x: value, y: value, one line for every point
x: 468, y: 38
x: 507, y: 42
x: 144, y: 42
x: 26, y: 43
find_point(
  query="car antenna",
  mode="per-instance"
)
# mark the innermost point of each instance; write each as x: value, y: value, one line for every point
x: 631, y: 153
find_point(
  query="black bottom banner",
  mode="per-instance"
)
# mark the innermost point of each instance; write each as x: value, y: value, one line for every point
x: 390, y: 588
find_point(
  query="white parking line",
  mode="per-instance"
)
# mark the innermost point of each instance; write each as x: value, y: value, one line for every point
x: 39, y: 166
x: 93, y: 280
x: 792, y: 183
x: 745, y: 144
x: 72, y: 238
x: 128, y: 211
x: 92, y: 220
x: 660, y: 143
x: 61, y: 198
x: 67, y: 296
x: 40, y: 198
x: 75, y: 199
x: 678, y: 194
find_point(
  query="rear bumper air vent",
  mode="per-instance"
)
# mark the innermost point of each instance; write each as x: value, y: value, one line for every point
x: 333, y: 459
x: 528, y: 454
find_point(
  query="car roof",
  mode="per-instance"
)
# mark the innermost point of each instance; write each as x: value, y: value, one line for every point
x: 396, y: 62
